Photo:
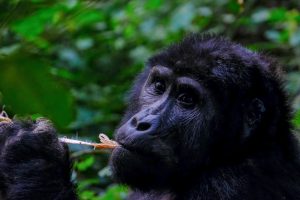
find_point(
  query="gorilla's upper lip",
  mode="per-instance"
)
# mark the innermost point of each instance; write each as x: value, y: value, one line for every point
x: 128, y: 147
x: 136, y: 149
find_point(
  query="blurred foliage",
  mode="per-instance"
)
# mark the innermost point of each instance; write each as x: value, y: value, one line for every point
x: 72, y: 61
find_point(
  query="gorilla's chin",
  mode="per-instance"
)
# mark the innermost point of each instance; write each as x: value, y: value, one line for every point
x: 139, y: 171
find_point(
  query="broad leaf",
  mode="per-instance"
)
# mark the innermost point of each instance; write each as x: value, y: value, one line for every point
x: 27, y: 87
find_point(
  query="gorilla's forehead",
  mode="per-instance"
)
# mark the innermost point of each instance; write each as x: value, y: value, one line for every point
x: 205, y: 58
x: 183, y: 64
x: 174, y: 72
x: 200, y: 68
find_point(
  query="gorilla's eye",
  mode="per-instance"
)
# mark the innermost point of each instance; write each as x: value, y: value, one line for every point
x: 159, y: 86
x: 186, y: 99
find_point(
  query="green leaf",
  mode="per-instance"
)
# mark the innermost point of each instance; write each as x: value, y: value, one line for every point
x: 27, y: 87
x: 116, y: 192
x: 88, y: 17
x: 36, y: 116
x: 86, y: 163
x: 234, y: 6
x: 32, y: 26
x: 278, y: 15
x: 153, y: 4
x: 296, y: 120
x: 88, y: 195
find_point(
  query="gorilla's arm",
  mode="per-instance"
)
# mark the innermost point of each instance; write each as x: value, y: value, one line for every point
x: 33, y: 163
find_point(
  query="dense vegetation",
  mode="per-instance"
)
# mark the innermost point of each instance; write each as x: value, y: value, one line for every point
x: 72, y: 61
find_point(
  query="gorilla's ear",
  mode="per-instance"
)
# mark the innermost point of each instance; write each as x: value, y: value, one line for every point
x: 253, y: 115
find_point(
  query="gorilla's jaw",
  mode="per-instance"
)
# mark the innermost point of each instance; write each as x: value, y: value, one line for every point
x: 141, y: 171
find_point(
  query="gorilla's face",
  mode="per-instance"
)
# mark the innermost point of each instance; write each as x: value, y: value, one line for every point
x: 196, y: 105
x: 166, y: 132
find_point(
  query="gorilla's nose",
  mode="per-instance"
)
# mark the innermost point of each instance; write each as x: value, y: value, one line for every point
x: 139, y: 127
x: 148, y: 123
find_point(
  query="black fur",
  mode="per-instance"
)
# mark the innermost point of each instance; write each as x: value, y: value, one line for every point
x: 236, y: 143
x: 34, y: 164
x: 207, y: 120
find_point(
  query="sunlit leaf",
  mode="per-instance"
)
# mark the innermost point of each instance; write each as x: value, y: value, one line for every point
x: 277, y: 14
x: 153, y: 4
x: 33, y: 25
x: 88, y: 195
x: 85, y: 164
x: 116, y: 192
x: 88, y: 17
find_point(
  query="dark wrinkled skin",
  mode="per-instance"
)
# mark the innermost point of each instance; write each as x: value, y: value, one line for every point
x: 207, y: 119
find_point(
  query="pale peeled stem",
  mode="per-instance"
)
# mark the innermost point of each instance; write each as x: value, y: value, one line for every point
x: 105, y: 142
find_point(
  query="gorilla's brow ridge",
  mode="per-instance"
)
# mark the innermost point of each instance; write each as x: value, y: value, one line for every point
x: 161, y: 70
x: 185, y: 80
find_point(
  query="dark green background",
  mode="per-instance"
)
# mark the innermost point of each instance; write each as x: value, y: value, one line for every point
x: 72, y: 61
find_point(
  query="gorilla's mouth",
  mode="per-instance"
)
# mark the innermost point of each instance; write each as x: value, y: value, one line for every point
x: 137, y: 150
x: 127, y: 147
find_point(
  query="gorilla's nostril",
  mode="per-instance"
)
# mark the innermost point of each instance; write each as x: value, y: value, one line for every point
x: 133, y: 122
x: 143, y: 126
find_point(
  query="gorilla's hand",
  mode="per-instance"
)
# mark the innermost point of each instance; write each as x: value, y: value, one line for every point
x: 33, y: 163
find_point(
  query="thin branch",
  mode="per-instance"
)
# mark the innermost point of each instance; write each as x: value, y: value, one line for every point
x: 105, y: 142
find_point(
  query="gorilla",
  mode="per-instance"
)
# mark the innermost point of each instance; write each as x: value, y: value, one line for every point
x: 207, y: 119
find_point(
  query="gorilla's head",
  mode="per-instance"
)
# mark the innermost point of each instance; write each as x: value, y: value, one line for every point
x: 199, y: 104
